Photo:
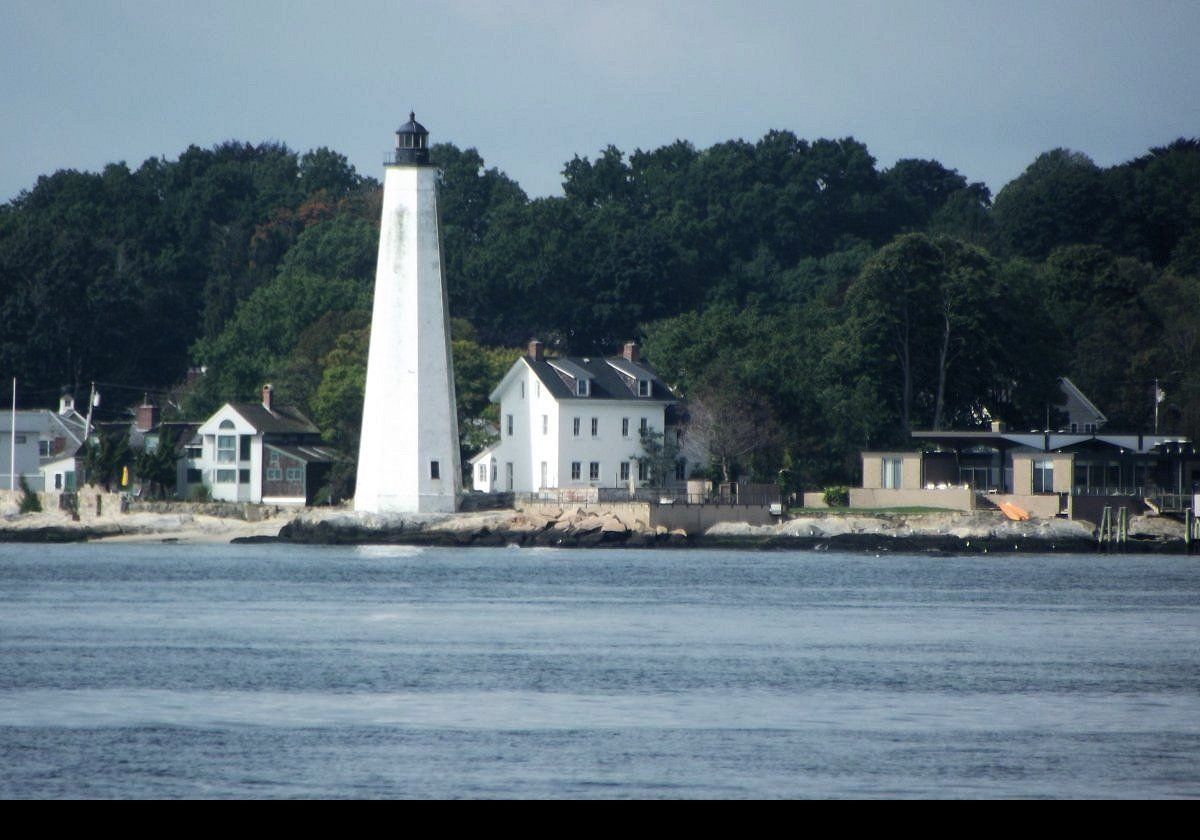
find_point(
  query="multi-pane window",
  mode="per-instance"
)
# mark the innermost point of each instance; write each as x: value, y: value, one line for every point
x: 595, y: 426
x: 295, y: 474
x: 581, y: 388
x: 226, y: 476
x: 508, y: 424
x: 594, y: 470
x: 641, y: 470
x: 893, y: 473
x: 624, y: 470
x: 483, y: 472
x: 1043, y: 476
x: 575, y: 470
x: 643, y: 387
x: 645, y: 425
x: 624, y: 427
x: 43, y: 448
x: 575, y: 426
x: 274, y: 474
x: 226, y: 449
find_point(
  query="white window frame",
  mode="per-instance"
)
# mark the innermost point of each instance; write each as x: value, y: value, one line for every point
x: 892, y: 473
x: 1042, y: 468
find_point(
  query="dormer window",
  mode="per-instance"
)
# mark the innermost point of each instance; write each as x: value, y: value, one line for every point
x: 581, y: 388
x: 643, y: 387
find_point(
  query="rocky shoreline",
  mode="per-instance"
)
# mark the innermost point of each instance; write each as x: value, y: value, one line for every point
x: 943, y: 533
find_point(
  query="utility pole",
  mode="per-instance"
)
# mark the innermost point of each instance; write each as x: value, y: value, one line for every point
x: 12, y: 442
x: 1158, y: 397
x: 93, y: 401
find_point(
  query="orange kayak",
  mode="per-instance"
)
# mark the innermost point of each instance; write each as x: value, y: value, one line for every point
x: 1013, y: 512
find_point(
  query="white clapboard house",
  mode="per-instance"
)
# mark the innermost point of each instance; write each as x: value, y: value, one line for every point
x: 572, y: 422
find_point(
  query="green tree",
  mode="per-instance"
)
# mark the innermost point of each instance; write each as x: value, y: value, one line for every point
x: 1061, y: 199
x: 105, y: 458
x: 157, y: 467
x: 657, y: 457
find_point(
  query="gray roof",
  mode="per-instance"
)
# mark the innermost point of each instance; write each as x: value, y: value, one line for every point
x: 412, y: 126
x: 48, y: 424
x: 281, y: 420
x: 607, y: 382
x: 45, y: 422
x: 571, y: 369
x: 309, y: 454
x: 1079, y: 408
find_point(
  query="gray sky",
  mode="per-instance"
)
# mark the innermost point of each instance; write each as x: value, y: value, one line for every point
x: 981, y: 87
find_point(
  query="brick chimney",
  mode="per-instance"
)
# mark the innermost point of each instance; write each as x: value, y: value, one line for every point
x: 535, y: 350
x: 631, y: 352
x: 267, y: 392
x: 147, y: 415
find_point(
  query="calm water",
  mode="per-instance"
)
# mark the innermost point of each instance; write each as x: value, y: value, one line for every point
x: 154, y: 671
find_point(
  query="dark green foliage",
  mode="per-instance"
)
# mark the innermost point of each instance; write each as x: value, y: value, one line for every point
x: 843, y: 303
x: 657, y: 457
x: 105, y: 458
x: 837, y: 496
x: 30, y: 503
x: 156, y: 468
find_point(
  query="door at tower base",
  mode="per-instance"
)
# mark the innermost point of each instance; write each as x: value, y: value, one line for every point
x: 408, y: 458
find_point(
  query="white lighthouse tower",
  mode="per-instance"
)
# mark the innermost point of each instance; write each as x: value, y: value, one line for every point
x: 408, y: 458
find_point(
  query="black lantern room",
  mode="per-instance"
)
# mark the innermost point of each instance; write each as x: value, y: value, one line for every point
x: 412, y: 142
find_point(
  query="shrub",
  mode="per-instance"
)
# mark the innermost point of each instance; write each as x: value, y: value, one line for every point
x: 200, y: 493
x: 29, y: 500
x: 837, y: 496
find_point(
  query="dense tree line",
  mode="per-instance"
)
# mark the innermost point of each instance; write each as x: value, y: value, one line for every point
x: 843, y: 304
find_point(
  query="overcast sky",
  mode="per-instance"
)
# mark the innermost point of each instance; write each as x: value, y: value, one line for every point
x: 981, y: 87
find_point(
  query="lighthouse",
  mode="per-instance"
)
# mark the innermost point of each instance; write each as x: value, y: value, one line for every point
x: 408, y: 460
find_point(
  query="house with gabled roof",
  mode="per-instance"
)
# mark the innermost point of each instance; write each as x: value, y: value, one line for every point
x: 573, y: 422
x: 47, y: 445
x: 259, y: 452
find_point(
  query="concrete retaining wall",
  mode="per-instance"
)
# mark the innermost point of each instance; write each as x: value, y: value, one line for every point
x: 815, y: 499
x: 949, y: 498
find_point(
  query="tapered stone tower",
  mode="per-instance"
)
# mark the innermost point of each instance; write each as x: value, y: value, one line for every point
x: 408, y: 458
